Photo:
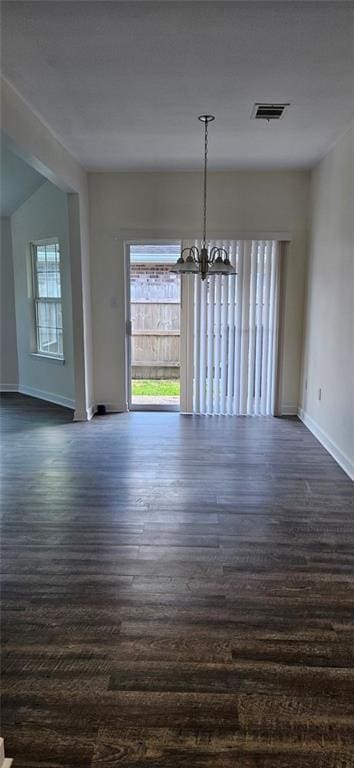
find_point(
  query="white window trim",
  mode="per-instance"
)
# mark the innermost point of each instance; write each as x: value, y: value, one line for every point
x: 52, y: 358
x: 59, y: 359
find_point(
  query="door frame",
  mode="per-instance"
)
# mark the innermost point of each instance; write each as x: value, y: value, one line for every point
x: 128, y: 324
x: 187, y: 342
x: 131, y: 237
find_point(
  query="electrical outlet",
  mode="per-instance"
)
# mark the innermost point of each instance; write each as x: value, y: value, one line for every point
x: 320, y: 393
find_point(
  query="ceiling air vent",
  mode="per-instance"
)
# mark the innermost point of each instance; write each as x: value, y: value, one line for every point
x: 269, y: 111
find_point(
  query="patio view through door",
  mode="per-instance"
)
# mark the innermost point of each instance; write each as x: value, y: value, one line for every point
x: 155, y: 315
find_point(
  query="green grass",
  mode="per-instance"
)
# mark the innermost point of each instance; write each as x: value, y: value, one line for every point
x: 156, y: 388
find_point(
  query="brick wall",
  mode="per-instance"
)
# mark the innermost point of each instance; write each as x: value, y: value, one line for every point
x: 154, y: 283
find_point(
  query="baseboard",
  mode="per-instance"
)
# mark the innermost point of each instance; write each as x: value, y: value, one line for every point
x: 49, y: 396
x: 83, y: 414
x: 90, y: 412
x: 116, y: 407
x: 344, y: 461
x: 86, y: 415
x: 288, y: 410
x: 5, y: 762
x: 79, y: 413
x: 8, y: 388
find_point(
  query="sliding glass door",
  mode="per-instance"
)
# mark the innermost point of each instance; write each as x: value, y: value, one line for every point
x: 204, y: 346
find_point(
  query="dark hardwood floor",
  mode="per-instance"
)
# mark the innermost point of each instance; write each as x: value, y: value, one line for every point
x: 177, y: 592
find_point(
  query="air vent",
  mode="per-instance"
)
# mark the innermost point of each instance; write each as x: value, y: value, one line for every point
x: 269, y: 111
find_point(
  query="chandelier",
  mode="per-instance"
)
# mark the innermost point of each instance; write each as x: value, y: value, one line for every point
x: 204, y: 261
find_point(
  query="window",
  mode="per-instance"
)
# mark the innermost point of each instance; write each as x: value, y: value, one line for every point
x: 47, y: 298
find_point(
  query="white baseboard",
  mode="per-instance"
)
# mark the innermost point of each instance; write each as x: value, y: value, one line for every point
x: 344, y: 461
x: 49, y: 396
x: 90, y: 412
x: 116, y: 407
x: 84, y: 414
x: 8, y: 388
x: 80, y: 414
x: 288, y: 410
x: 5, y: 762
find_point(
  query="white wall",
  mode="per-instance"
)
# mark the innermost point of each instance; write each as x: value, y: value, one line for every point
x: 43, y: 215
x: 29, y: 138
x: 169, y: 204
x: 328, y: 361
x: 9, y: 363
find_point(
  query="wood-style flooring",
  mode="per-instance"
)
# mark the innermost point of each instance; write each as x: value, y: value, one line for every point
x: 177, y: 593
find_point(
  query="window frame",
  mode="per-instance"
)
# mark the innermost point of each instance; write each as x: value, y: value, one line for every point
x: 36, y: 299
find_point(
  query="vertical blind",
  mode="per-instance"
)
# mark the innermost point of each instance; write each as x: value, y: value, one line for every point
x: 235, y: 332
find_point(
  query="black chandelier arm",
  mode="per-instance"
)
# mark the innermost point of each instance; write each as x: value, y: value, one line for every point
x: 192, y: 250
x: 215, y: 252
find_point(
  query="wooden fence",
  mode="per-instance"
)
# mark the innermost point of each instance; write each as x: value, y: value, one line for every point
x: 155, y: 339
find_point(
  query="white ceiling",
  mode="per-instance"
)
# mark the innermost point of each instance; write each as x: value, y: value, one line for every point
x: 122, y: 83
x: 18, y: 181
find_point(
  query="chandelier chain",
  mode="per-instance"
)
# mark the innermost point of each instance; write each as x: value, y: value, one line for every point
x: 205, y: 261
x: 205, y: 181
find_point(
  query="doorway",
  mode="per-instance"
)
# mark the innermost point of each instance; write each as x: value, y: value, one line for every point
x: 154, y: 327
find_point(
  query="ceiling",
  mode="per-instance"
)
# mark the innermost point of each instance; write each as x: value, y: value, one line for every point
x: 18, y: 182
x: 121, y: 83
